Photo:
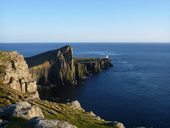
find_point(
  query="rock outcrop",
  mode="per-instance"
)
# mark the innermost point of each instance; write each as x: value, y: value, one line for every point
x: 32, y: 113
x: 21, y: 110
x: 90, y: 66
x: 58, y: 67
x: 44, y: 123
x: 54, y: 67
x: 76, y: 105
x: 14, y: 73
x: 95, y: 116
x: 118, y: 125
x: 81, y: 71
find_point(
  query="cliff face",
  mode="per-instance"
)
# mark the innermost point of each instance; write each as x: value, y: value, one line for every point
x: 54, y: 67
x: 14, y: 73
x: 58, y: 67
x: 64, y: 68
x: 81, y: 71
x: 90, y: 66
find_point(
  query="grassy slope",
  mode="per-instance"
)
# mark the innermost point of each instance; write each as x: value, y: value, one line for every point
x: 51, y: 110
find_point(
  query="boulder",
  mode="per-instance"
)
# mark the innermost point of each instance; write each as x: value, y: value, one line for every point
x: 76, y: 105
x: 95, y: 116
x: 22, y: 110
x: 92, y: 113
x: 118, y: 125
x: 44, y: 123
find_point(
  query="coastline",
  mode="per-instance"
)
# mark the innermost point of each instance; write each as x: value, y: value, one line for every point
x: 15, y: 64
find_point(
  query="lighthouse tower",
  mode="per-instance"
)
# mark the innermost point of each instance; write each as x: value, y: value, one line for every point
x: 107, y: 57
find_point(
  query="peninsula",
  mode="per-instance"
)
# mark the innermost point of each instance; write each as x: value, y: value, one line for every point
x: 59, y: 67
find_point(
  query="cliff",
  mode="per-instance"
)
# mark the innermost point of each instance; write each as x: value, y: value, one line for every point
x: 14, y: 73
x: 90, y: 66
x: 58, y: 67
x: 54, y: 67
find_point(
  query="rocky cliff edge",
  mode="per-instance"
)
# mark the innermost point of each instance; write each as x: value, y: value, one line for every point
x: 14, y: 73
x: 54, y: 67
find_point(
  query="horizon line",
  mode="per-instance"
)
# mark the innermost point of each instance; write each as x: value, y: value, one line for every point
x: 86, y: 42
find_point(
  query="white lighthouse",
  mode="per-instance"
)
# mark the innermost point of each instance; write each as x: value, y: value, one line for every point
x: 107, y: 57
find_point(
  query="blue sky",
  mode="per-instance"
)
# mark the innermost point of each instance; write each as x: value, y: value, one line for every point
x: 84, y: 20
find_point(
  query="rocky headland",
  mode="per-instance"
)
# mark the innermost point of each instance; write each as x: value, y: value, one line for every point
x: 59, y: 67
x: 20, y: 105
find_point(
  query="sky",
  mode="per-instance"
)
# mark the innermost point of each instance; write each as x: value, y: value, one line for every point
x: 84, y: 20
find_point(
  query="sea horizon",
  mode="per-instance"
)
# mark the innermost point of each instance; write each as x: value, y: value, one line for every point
x: 90, y: 42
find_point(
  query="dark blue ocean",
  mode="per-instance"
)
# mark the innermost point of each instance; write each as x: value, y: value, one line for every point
x: 136, y: 91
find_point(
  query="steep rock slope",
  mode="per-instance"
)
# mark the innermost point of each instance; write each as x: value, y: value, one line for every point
x: 14, y: 73
x: 90, y: 66
x: 54, y: 67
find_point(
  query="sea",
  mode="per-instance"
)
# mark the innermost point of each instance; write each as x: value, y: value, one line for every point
x: 136, y: 91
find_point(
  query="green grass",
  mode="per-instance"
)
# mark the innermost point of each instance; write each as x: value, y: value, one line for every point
x: 4, y: 57
x: 60, y: 111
